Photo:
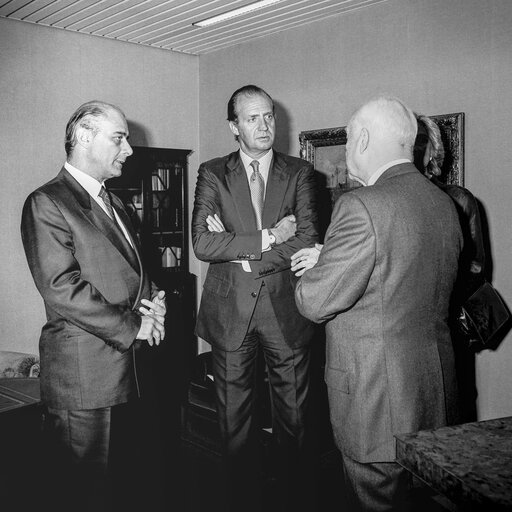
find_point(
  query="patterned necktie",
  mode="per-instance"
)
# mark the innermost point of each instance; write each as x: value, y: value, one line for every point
x: 105, y: 197
x: 107, y: 200
x: 257, y: 186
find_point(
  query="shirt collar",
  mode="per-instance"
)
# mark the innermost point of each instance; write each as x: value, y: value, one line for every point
x: 264, y: 161
x: 91, y: 185
x: 383, y: 168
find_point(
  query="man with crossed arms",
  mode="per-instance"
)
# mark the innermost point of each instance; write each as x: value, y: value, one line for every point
x: 253, y: 209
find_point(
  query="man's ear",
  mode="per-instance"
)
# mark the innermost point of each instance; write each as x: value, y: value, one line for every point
x: 83, y: 136
x: 364, y: 139
x: 234, y: 128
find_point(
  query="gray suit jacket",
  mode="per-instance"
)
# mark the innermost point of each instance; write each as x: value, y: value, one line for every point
x: 92, y: 283
x: 383, y: 284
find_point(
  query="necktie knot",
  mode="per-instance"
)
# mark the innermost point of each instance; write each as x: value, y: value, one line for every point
x: 255, y: 169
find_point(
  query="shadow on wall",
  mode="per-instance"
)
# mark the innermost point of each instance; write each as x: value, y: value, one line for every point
x: 282, y: 140
x: 138, y: 135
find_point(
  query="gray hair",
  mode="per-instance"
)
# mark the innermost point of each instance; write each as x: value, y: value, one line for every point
x: 86, y: 116
x: 390, y: 118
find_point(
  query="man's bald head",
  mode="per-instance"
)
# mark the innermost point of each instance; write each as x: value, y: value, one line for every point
x: 380, y: 131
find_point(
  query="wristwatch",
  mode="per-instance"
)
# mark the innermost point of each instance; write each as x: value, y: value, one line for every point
x: 272, y: 238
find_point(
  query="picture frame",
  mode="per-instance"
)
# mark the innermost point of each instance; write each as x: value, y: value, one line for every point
x: 325, y: 149
x: 451, y: 127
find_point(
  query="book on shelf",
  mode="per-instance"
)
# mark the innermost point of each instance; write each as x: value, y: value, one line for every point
x: 160, y: 179
x: 171, y: 256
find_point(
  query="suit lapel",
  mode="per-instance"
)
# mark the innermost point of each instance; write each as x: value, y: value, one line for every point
x: 114, y: 233
x: 277, y: 184
x: 101, y: 221
x: 236, y: 180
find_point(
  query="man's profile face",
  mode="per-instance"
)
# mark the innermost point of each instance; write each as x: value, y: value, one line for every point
x: 109, y: 147
x: 255, y: 125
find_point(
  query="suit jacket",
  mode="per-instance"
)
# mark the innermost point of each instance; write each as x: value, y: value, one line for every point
x: 229, y: 293
x: 91, y: 282
x: 383, y: 283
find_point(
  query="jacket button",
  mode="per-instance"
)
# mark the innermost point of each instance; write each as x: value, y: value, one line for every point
x: 252, y: 256
x: 254, y: 294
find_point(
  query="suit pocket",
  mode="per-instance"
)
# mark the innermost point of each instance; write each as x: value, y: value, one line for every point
x: 337, y: 379
x: 217, y: 285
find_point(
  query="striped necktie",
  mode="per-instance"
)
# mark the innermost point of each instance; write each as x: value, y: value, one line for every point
x: 105, y: 197
x: 107, y: 200
x: 257, y: 186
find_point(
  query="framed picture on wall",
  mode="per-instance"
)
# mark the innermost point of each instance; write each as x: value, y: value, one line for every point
x: 451, y: 127
x: 325, y: 149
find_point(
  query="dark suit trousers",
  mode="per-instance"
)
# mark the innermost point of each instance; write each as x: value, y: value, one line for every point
x: 77, y: 444
x: 377, y: 486
x: 235, y: 376
x: 101, y: 460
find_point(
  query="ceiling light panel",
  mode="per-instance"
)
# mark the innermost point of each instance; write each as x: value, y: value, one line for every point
x: 240, y: 11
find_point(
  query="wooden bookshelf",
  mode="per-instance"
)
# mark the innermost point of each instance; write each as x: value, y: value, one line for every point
x: 153, y: 188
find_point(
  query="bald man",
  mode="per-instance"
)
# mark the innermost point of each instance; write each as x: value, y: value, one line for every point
x: 382, y: 283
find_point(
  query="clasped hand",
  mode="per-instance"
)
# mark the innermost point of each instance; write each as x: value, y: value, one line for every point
x: 153, y: 317
x: 305, y: 259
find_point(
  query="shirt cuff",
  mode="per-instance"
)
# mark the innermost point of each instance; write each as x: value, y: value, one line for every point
x: 265, y: 240
x: 246, y: 266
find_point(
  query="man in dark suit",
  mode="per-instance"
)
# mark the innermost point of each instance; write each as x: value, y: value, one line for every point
x: 382, y: 283
x: 253, y: 209
x: 85, y: 260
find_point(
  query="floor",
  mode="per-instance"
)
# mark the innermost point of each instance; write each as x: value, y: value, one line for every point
x: 199, y: 476
x: 181, y: 476
x: 191, y: 475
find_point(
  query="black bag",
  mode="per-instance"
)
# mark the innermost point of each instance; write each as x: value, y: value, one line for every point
x: 482, y: 315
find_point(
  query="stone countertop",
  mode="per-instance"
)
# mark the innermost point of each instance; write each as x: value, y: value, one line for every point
x: 471, y: 463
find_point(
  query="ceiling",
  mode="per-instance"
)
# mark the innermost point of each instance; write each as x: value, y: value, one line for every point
x: 167, y: 24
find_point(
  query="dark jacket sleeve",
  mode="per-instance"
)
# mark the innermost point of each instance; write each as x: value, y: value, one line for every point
x: 306, y: 215
x: 218, y: 247
x: 344, y: 267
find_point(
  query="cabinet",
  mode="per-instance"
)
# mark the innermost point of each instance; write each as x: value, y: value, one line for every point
x: 153, y: 188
